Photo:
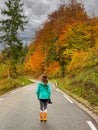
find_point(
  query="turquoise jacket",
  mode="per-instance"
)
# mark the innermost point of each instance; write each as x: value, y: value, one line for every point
x: 43, y: 91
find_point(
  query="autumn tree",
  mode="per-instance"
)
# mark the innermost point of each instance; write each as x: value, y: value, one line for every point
x: 66, y: 18
x: 67, y: 30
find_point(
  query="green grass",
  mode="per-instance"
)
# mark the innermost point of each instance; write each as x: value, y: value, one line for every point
x: 8, y: 85
x: 84, y: 85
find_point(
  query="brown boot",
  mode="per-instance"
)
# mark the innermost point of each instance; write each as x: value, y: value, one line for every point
x: 41, y: 116
x: 45, y: 116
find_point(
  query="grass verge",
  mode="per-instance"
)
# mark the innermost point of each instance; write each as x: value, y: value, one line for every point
x: 8, y: 85
x: 83, y: 92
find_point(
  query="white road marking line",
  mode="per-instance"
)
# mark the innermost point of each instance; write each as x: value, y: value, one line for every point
x: 68, y: 99
x: 91, y: 125
x: 60, y: 91
x: 57, y: 90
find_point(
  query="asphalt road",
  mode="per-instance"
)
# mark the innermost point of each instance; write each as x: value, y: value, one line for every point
x: 19, y: 110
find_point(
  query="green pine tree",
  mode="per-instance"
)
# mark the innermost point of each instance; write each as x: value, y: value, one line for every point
x: 10, y: 27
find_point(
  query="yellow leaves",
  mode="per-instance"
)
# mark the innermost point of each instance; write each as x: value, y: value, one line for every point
x: 28, y: 64
x: 96, y: 46
x: 83, y: 59
x: 67, y: 33
x: 68, y: 52
x: 78, y: 60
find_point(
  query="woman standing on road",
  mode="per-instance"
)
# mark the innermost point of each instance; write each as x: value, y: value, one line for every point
x: 43, y: 92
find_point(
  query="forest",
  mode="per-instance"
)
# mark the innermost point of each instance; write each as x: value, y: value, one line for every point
x: 66, y: 48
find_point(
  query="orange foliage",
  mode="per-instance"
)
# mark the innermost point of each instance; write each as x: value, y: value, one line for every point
x: 35, y: 62
x: 37, y: 59
x: 67, y: 30
x: 53, y: 68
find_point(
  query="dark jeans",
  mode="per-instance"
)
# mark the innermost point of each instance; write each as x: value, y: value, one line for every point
x: 43, y: 104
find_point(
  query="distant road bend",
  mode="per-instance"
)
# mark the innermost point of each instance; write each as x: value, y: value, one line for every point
x: 19, y: 110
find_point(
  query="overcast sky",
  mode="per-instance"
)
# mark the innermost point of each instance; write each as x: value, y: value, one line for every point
x: 38, y: 10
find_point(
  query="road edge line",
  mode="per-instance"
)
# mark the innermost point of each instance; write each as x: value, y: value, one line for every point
x: 68, y: 99
x: 91, y: 125
x: 83, y: 107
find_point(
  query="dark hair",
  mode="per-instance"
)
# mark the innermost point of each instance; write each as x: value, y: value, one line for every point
x: 44, y: 78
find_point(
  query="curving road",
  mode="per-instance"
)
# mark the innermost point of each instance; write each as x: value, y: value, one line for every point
x: 19, y: 110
